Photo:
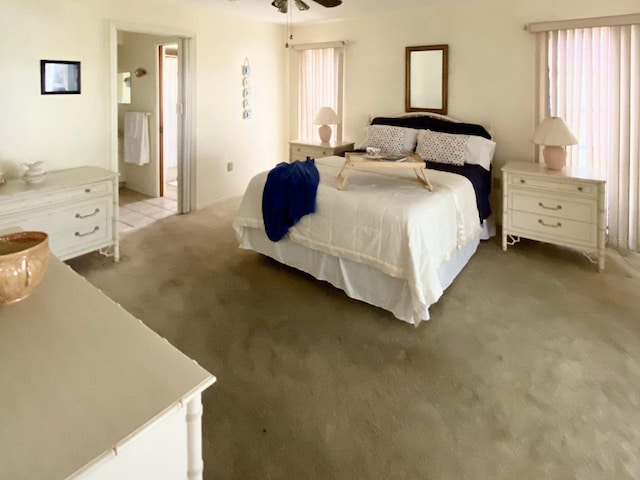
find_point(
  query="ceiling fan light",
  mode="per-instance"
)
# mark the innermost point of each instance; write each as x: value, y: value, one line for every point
x: 301, y: 5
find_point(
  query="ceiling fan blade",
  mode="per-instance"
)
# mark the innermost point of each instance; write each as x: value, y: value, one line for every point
x: 329, y: 3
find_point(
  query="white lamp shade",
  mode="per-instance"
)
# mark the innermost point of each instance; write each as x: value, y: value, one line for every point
x: 326, y: 116
x: 553, y: 131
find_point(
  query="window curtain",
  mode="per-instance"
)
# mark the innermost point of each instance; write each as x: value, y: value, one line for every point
x: 320, y: 85
x: 594, y: 85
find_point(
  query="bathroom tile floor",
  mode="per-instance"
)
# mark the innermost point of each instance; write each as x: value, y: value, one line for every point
x: 139, y: 210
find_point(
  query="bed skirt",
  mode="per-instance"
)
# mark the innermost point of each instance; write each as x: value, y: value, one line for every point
x: 358, y: 281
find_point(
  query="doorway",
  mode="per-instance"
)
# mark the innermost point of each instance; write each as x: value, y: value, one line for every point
x: 160, y: 89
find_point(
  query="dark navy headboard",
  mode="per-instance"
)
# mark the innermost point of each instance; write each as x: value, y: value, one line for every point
x: 426, y: 122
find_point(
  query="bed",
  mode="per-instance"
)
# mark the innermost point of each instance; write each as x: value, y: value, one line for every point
x: 385, y: 239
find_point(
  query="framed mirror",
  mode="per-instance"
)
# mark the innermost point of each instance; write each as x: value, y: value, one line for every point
x: 426, y: 78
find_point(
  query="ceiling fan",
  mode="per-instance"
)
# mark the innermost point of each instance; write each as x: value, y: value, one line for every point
x: 283, y: 5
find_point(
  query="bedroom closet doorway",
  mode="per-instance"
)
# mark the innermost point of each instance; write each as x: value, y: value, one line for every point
x: 152, y: 135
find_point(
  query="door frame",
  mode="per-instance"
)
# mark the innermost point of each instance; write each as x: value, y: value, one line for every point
x: 186, y: 131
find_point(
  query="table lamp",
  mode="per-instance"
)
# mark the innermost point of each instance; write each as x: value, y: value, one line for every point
x: 326, y: 116
x: 554, y: 134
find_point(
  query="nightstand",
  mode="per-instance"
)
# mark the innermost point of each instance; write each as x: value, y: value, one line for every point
x: 565, y: 207
x: 301, y: 149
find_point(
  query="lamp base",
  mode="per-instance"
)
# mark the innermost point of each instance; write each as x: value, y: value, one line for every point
x: 555, y: 158
x: 325, y: 133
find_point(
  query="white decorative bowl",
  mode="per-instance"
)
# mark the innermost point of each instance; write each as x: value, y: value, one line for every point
x: 24, y: 257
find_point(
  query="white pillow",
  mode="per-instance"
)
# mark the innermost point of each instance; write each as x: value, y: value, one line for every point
x: 455, y: 149
x: 479, y: 151
x: 391, y: 139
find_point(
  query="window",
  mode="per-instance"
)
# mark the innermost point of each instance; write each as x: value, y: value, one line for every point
x: 592, y: 80
x: 320, y: 85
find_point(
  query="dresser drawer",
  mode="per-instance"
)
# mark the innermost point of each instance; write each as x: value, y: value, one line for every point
x: 90, y: 237
x: 63, y: 217
x: 313, y: 152
x: 554, y: 206
x: 552, y: 229
x: 37, y: 199
x: 539, y: 184
x: 69, y: 225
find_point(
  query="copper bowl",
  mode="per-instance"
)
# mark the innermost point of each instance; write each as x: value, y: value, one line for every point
x: 24, y: 257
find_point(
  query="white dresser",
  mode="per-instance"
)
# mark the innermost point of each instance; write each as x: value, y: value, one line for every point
x: 565, y: 207
x: 89, y: 392
x: 301, y: 149
x: 76, y: 207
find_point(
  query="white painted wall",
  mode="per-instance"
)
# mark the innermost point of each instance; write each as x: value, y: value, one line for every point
x: 73, y: 130
x: 491, y: 62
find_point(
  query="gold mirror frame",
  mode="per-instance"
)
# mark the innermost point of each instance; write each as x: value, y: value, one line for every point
x: 433, y: 61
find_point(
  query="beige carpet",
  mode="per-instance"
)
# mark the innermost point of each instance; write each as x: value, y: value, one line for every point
x: 528, y: 369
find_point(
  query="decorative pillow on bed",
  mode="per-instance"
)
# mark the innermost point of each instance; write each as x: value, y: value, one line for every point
x: 441, y: 147
x: 455, y: 149
x: 391, y: 139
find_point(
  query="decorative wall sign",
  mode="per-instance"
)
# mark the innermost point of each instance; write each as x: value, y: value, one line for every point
x: 59, y: 77
x: 246, y: 89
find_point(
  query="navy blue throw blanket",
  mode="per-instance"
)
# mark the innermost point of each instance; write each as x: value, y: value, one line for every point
x: 289, y: 194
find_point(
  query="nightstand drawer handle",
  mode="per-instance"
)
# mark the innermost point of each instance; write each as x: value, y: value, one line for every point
x: 580, y: 189
x: 95, y: 212
x: 557, y: 207
x: 541, y: 222
x: 78, y: 234
x: 522, y: 180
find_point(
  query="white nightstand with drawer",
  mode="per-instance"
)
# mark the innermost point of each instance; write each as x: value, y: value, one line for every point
x: 565, y: 207
x: 301, y: 149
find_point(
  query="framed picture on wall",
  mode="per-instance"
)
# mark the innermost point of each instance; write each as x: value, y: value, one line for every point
x: 59, y: 77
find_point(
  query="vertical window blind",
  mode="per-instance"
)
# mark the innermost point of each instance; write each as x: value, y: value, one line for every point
x: 320, y: 85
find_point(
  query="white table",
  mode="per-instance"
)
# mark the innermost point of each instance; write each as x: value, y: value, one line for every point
x: 565, y: 207
x: 301, y: 149
x: 89, y: 392
x: 359, y: 161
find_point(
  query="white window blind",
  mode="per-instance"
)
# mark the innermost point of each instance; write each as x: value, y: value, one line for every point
x: 320, y: 85
x: 593, y: 83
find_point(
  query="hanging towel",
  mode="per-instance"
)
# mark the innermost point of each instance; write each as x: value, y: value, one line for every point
x: 136, y: 138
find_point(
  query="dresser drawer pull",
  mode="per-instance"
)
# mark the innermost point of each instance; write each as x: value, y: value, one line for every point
x: 557, y: 207
x: 541, y: 222
x: 95, y: 212
x: 580, y: 189
x: 95, y: 229
x: 87, y: 190
x: 522, y: 180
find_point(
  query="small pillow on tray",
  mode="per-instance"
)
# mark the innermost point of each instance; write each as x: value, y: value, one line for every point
x: 391, y: 139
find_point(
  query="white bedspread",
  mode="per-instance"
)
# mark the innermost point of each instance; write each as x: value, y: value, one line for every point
x: 385, y: 219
